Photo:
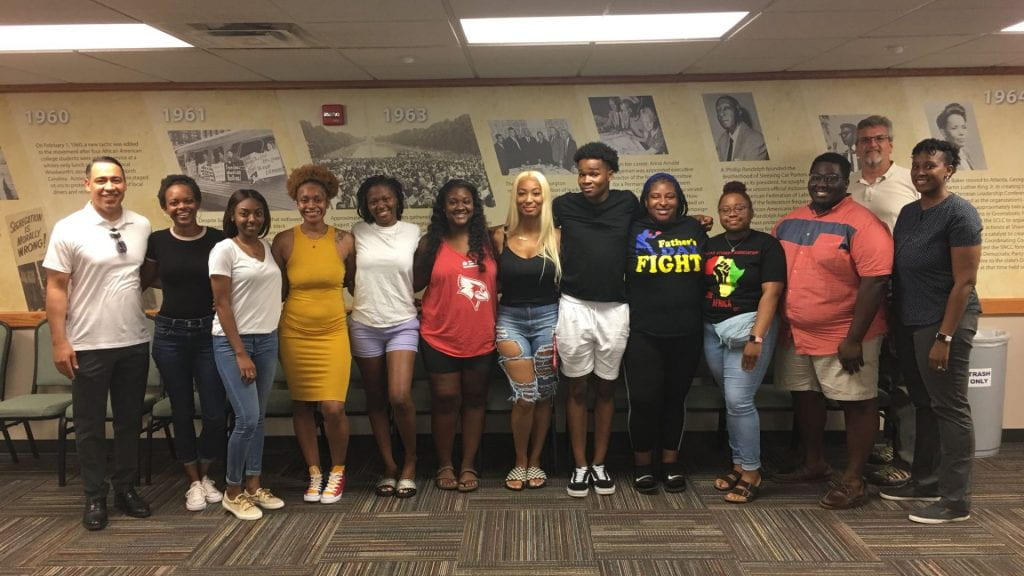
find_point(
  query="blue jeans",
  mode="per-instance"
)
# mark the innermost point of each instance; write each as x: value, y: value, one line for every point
x: 532, y: 328
x: 739, y: 388
x: 249, y: 401
x: 183, y: 352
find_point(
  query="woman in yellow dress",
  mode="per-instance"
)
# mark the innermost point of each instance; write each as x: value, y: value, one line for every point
x: 313, y: 333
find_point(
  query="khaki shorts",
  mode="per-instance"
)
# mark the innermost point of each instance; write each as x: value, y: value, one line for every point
x: 805, y: 373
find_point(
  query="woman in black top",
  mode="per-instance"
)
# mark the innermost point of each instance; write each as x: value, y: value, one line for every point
x: 176, y: 260
x: 938, y: 249
x: 664, y: 287
x: 528, y: 272
x: 744, y: 274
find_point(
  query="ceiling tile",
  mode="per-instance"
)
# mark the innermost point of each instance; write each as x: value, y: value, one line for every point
x: 927, y: 21
x: 361, y: 10
x: 797, y: 25
x: 216, y: 11
x: 76, y: 68
x: 527, y: 61
x: 879, y: 53
x: 188, y: 65
x: 384, y: 34
x: 525, y: 8
x: 844, y: 5
x: 60, y: 12
x: 13, y: 76
x: 422, y: 72
x: 991, y: 43
x: 724, y: 65
x: 367, y: 57
x: 739, y: 47
x: 946, y: 60
x: 296, y: 65
x: 667, y: 6
x: 644, y: 59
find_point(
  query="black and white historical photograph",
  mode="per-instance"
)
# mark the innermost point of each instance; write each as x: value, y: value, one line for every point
x: 7, y: 189
x: 735, y: 127
x: 422, y: 158
x: 223, y: 161
x: 840, y: 134
x: 955, y: 122
x: 545, y: 145
x: 630, y: 124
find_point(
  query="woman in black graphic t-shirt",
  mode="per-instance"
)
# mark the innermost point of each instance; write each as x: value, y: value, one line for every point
x: 744, y: 273
x: 664, y: 288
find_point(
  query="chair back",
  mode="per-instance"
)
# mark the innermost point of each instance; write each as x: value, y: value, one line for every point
x: 5, y: 350
x: 46, y: 374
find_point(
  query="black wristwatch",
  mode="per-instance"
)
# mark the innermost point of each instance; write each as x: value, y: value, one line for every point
x: 940, y: 337
x: 755, y: 339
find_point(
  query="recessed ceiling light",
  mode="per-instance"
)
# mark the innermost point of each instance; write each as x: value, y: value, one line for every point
x: 1018, y: 27
x: 69, y: 37
x: 407, y: 60
x: 601, y: 29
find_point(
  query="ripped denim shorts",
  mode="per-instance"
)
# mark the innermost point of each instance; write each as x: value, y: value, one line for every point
x: 532, y: 329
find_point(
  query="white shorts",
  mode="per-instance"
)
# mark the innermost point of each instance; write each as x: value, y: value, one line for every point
x: 591, y: 337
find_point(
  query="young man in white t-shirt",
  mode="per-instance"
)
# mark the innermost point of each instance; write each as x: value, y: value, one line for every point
x: 98, y: 332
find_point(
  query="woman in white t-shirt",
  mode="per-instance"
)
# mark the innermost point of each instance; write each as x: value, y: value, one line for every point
x: 247, y: 298
x: 383, y: 327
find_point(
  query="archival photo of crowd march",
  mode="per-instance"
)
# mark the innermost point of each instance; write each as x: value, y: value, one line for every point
x: 630, y: 124
x: 840, y: 133
x: 223, y: 161
x: 735, y: 127
x: 7, y: 189
x: 546, y: 145
x: 955, y: 122
x: 422, y: 158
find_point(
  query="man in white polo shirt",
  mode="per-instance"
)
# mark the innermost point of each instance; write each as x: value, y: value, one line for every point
x: 885, y: 188
x: 99, y: 336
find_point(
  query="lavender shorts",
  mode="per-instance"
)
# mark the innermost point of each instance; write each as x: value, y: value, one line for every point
x: 370, y: 342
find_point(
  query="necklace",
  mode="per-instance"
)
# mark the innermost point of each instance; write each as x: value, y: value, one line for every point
x: 733, y: 247
x: 313, y: 237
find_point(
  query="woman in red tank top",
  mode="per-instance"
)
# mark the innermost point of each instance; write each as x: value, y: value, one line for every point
x: 455, y: 263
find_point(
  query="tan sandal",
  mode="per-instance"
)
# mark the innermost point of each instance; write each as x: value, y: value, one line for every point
x: 445, y: 478
x: 468, y: 484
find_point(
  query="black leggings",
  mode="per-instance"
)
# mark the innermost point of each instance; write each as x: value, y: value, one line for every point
x: 659, y: 372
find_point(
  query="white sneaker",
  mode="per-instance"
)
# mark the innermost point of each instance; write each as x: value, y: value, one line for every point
x: 334, y: 489
x: 194, y: 498
x: 242, y: 507
x: 264, y: 499
x: 210, y: 491
x: 316, y: 483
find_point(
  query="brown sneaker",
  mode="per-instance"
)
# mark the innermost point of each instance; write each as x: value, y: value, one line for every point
x: 843, y: 496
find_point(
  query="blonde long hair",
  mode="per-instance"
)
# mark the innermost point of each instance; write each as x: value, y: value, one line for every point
x: 547, y: 241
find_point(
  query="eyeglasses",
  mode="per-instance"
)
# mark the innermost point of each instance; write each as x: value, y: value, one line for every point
x: 865, y: 140
x: 121, y: 246
x: 738, y: 209
x: 828, y: 179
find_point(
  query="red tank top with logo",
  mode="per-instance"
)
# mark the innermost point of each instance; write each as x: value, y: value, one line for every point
x: 460, y: 304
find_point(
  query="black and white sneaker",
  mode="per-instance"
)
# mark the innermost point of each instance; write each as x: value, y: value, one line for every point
x: 579, y: 483
x: 602, y: 480
x: 939, y: 513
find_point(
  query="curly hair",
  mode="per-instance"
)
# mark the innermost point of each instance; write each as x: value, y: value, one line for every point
x: 362, y: 206
x: 183, y: 180
x: 598, y: 151
x: 312, y: 173
x: 949, y: 150
x: 479, y: 237
x: 683, y: 207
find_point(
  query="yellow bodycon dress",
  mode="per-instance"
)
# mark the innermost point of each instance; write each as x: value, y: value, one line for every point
x: 313, y: 334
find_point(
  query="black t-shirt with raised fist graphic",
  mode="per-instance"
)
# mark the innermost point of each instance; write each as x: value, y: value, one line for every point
x: 734, y: 272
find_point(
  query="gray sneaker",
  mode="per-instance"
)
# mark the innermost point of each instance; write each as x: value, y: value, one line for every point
x: 939, y: 513
x: 910, y: 491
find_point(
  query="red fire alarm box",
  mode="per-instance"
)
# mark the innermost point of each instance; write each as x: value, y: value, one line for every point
x: 333, y: 115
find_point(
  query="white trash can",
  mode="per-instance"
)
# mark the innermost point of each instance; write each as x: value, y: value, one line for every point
x: 986, y: 389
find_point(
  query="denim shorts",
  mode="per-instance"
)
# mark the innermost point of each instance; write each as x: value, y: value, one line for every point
x: 532, y: 328
x: 369, y: 342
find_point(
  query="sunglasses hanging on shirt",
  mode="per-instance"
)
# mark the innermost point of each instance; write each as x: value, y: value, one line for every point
x: 121, y: 246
